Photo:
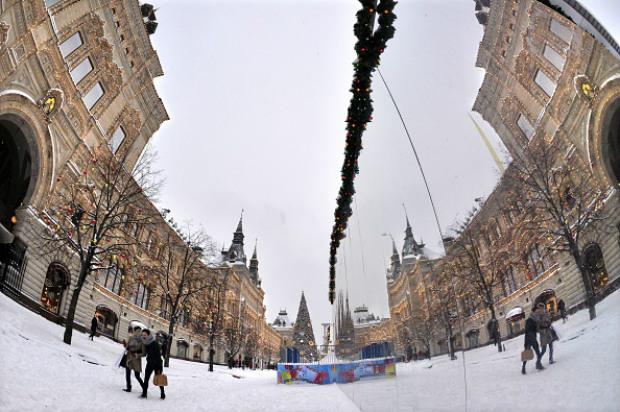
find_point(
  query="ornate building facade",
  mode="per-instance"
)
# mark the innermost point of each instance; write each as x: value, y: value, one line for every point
x: 548, y: 83
x: 76, y: 84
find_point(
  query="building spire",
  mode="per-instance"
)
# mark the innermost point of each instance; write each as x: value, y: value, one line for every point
x: 237, y: 244
x: 410, y: 247
x: 254, y: 265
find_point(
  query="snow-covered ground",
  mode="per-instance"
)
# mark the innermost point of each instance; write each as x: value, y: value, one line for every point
x: 39, y: 372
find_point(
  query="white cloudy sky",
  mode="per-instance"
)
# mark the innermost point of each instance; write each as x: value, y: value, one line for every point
x: 257, y: 93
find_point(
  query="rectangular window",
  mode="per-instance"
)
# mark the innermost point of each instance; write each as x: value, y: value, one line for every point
x: 554, y: 57
x: 81, y: 70
x: 117, y: 139
x: 111, y: 278
x: 545, y: 83
x: 525, y: 127
x: 50, y: 3
x: 93, y: 95
x: 71, y: 44
x: 561, y: 31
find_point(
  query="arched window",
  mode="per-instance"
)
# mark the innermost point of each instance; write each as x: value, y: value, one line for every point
x: 107, y: 320
x: 56, y: 282
x: 197, y: 351
x: 182, y: 347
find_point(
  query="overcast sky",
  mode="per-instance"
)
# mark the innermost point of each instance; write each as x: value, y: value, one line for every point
x: 257, y: 93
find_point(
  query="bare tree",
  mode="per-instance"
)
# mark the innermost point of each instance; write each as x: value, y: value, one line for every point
x: 209, y: 309
x: 236, y: 330
x: 481, y: 272
x: 180, y: 275
x: 93, y: 213
x: 564, y: 200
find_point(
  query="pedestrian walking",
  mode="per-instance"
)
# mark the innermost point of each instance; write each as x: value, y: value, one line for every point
x: 562, y: 308
x: 531, y: 327
x: 135, y: 353
x: 544, y: 329
x: 93, y: 327
x: 153, y: 362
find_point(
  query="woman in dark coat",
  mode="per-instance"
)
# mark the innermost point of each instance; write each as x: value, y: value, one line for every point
x: 153, y: 361
x: 531, y: 327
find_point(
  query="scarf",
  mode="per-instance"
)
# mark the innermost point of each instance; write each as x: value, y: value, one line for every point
x: 149, y: 339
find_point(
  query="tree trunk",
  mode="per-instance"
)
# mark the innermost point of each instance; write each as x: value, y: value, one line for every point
x: 496, y: 331
x: 73, y: 304
x: 211, y: 352
x: 169, y: 343
x: 587, y: 282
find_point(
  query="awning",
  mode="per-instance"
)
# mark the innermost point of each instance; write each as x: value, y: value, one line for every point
x: 515, y: 314
x: 135, y: 323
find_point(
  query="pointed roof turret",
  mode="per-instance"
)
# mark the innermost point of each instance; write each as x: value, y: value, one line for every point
x: 236, y: 252
x: 254, y: 265
x: 410, y: 247
x: 395, y: 261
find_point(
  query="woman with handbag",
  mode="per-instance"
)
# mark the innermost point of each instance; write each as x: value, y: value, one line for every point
x: 531, y: 327
x: 153, y: 361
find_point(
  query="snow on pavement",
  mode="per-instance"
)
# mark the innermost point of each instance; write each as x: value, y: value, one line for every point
x: 39, y: 372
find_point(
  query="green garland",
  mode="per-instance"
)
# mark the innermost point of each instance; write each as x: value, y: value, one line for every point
x: 369, y: 48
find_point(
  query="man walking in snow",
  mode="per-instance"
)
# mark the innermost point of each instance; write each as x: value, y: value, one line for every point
x: 93, y: 327
x: 544, y: 329
x: 531, y: 326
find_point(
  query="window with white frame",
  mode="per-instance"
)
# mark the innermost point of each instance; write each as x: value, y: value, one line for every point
x: 525, y: 127
x: 93, y: 96
x: 117, y: 139
x: 554, y: 57
x: 81, y: 70
x: 71, y: 44
x: 545, y: 83
x: 561, y: 31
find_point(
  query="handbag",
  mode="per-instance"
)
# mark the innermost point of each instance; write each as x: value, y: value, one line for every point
x: 526, y: 355
x: 160, y: 380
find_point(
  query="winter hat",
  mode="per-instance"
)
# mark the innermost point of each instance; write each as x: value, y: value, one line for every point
x: 541, y: 305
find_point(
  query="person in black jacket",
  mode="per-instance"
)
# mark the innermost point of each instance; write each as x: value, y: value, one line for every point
x: 153, y: 361
x: 531, y: 325
x: 93, y: 327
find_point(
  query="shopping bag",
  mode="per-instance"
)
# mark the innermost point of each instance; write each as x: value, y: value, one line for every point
x: 160, y: 380
x: 527, y: 354
x: 121, y: 362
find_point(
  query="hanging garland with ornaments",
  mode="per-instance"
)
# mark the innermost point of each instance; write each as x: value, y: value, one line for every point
x: 369, y: 47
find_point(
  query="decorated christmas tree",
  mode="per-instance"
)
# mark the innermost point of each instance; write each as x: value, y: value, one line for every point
x: 303, y: 336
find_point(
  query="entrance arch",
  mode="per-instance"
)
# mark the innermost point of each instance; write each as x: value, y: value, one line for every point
x: 56, y: 282
x: 595, y: 265
x: 15, y: 169
x: 547, y: 297
x: 108, y: 320
x: 613, y: 139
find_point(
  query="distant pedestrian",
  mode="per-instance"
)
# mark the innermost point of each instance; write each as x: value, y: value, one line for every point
x: 531, y: 327
x: 135, y: 353
x: 544, y: 329
x: 153, y: 362
x: 93, y: 327
x: 562, y: 308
